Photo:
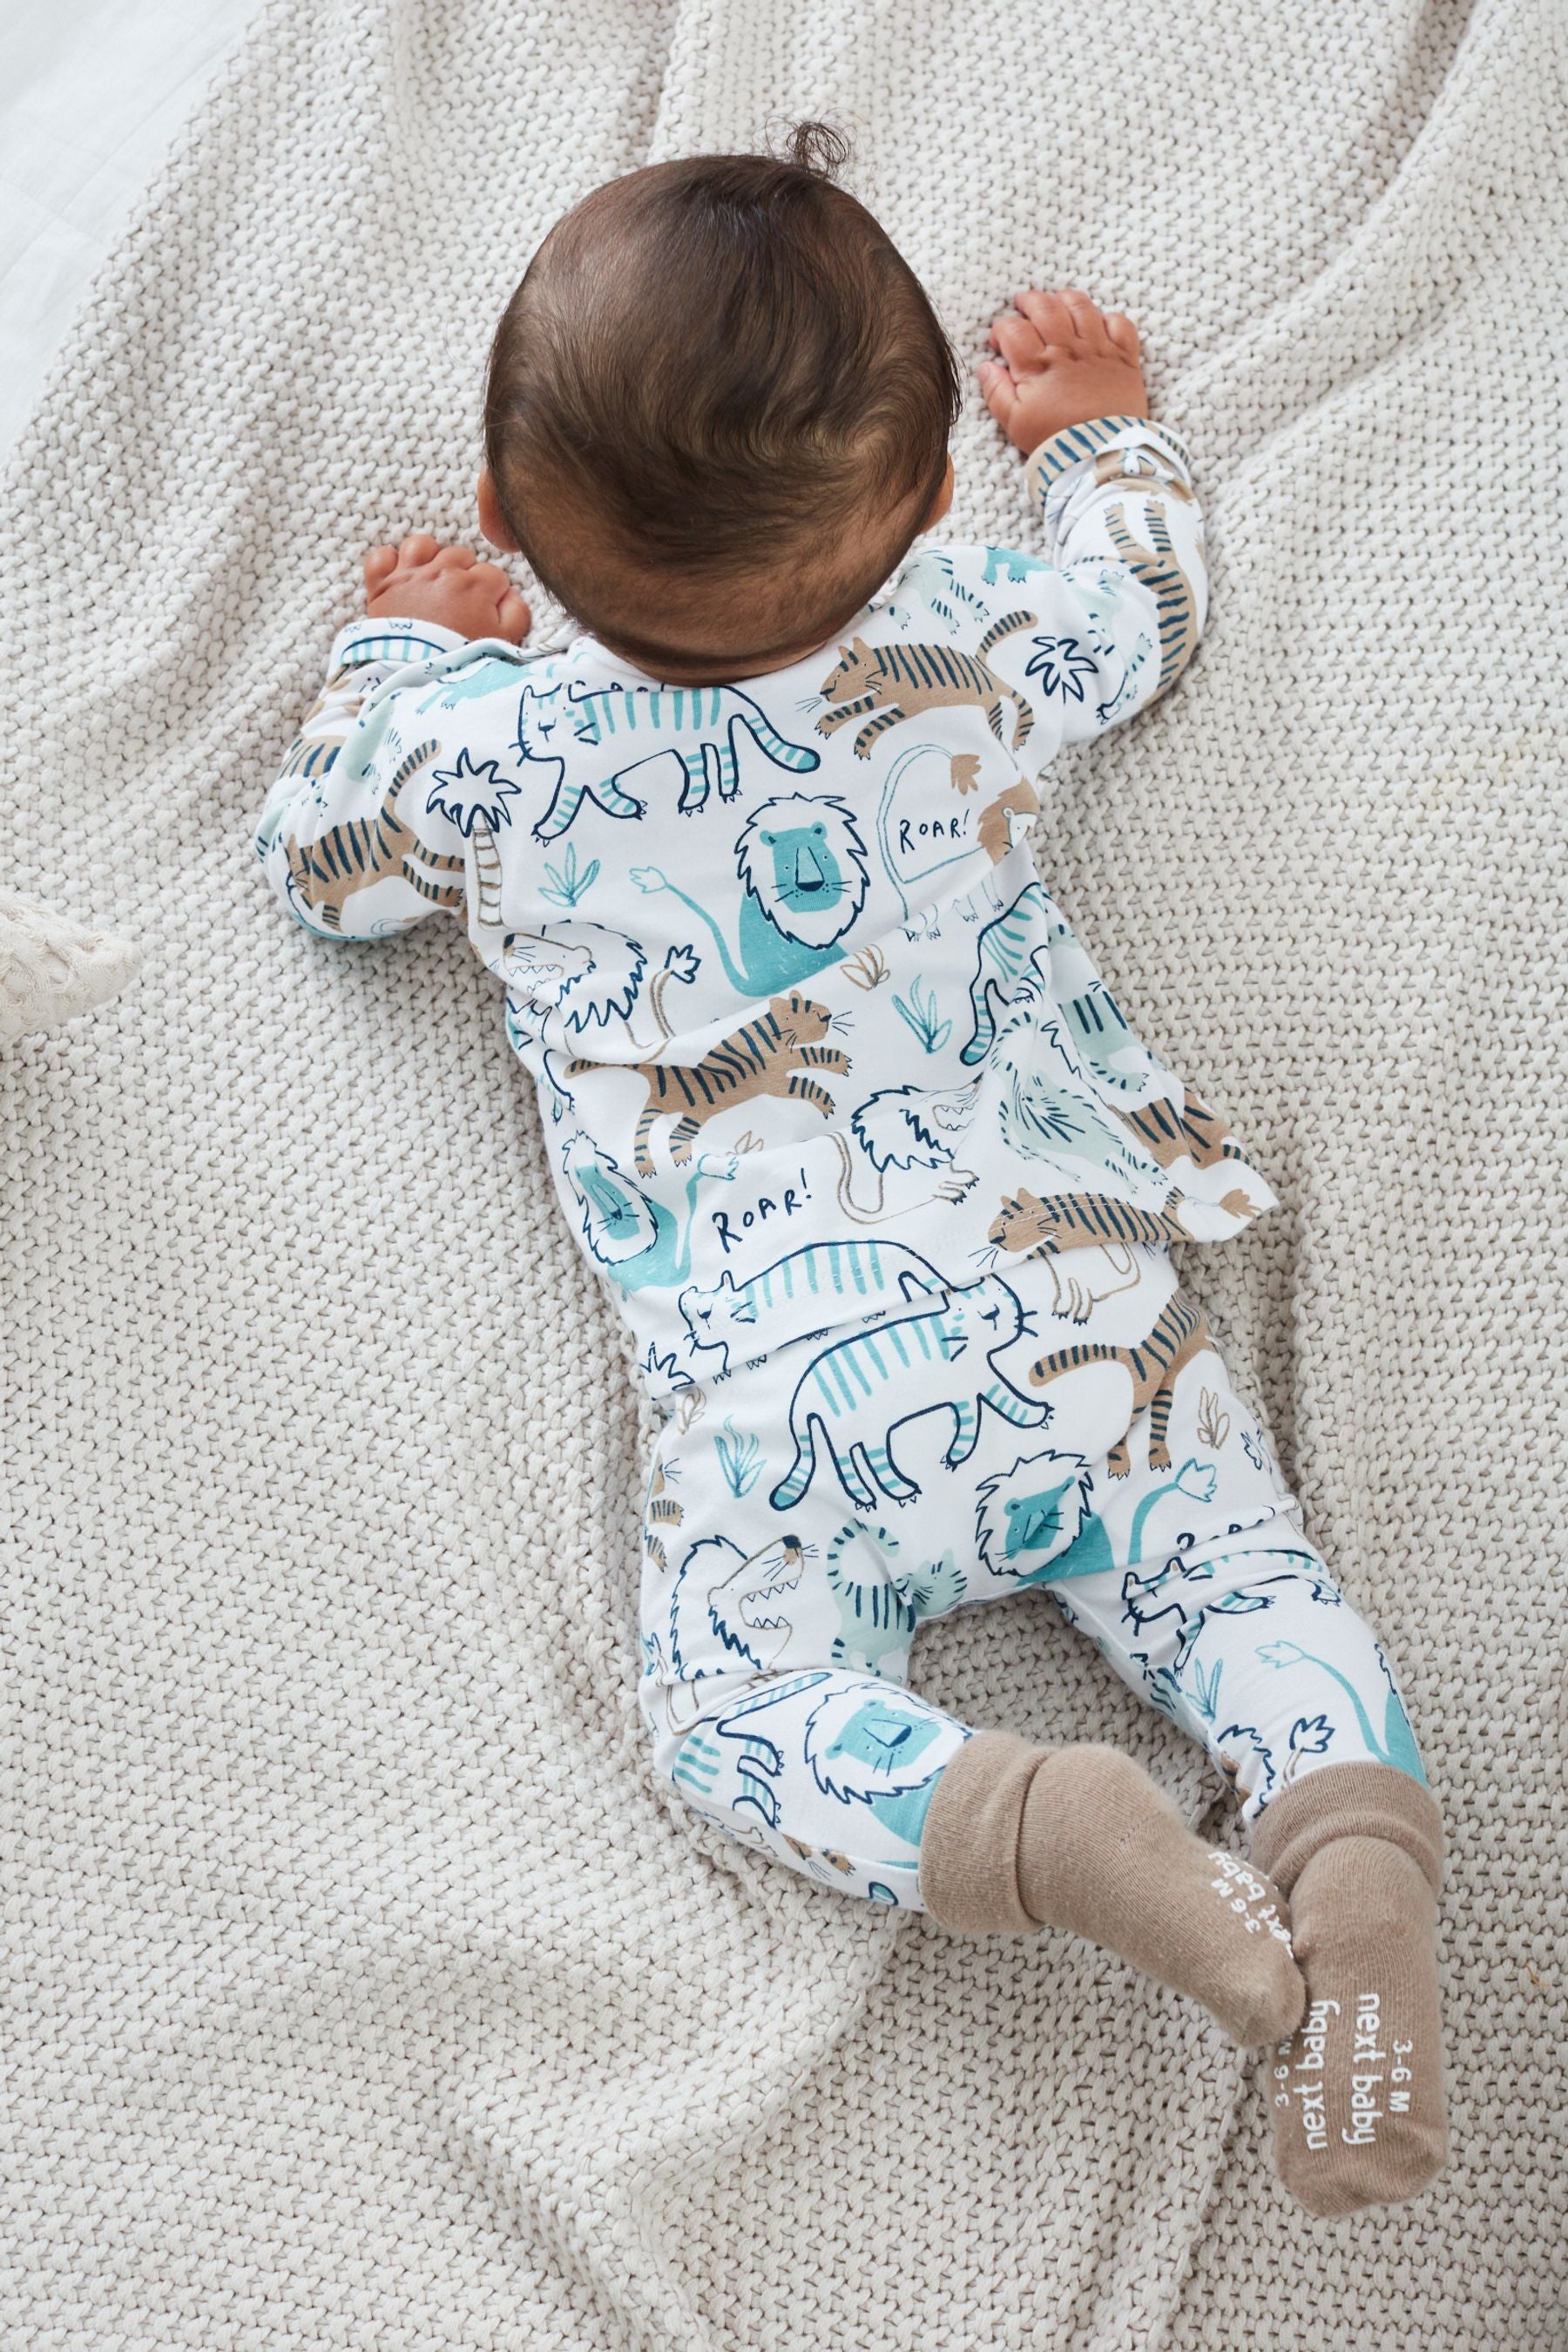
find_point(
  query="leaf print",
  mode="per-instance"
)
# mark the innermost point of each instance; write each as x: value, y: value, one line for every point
x: 1207, y: 1699
x: 563, y: 885
x: 1214, y: 1426
x: 921, y: 1015
x: 1060, y: 666
x: 740, y: 1459
x: 869, y: 969
x: 472, y: 794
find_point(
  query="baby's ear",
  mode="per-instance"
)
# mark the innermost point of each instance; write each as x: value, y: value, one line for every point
x: 943, y: 500
x: 492, y: 522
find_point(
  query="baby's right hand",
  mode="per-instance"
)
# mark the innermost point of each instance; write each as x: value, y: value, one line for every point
x: 1062, y: 361
x: 421, y: 580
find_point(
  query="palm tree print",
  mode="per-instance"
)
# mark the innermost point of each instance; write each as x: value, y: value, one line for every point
x: 473, y: 795
x: 1060, y: 667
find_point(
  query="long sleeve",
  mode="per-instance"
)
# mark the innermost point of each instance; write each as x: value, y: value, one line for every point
x: 353, y: 837
x: 1124, y: 531
x: 1091, y: 631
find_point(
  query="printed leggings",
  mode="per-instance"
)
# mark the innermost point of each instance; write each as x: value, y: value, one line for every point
x: 809, y: 1512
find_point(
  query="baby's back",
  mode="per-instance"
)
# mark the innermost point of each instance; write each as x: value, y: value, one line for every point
x: 786, y: 986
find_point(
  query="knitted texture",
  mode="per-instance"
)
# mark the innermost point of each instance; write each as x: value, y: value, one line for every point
x: 52, y: 968
x: 365, y: 1991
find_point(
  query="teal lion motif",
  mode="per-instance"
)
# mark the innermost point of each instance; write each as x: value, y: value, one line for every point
x: 1028, y: 1520
x: 802, y: 865
x: 634, y: 1238
x: 868, y: 1748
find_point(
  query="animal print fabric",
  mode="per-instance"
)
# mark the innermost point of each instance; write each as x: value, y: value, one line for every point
x: 363, y: 1993
x: 804, y: 1024
x: 807, y: 1517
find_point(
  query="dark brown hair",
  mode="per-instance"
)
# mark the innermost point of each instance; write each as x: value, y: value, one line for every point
x: 719, y: 366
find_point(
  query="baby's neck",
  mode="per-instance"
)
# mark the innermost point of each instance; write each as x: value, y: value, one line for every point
x: 669, y: 668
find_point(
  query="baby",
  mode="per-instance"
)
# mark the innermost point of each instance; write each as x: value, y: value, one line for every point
x: 879, y: 1173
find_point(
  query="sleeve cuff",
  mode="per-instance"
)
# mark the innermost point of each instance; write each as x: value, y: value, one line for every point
x: 391, y: 643
x: 1079, y: 444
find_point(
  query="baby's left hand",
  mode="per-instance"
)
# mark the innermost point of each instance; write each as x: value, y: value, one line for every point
x: 421, y: 580
x: 1060, y: 360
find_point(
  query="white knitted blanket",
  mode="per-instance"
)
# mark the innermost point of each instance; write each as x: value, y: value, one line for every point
x: 366, y: 1992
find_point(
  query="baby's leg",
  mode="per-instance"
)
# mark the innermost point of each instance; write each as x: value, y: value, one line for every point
x: 775, y: 1646
x: 830, y: 1771
x: 868, y: 1790
x: 1244, y: 1641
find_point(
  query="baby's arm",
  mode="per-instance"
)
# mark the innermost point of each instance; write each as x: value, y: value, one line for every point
x: 1123, y: 613
x: 354, y: 836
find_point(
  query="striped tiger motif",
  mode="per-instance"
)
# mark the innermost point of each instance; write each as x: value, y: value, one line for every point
x: 324, y: 875
x: 1181, y: 1333
x: 663, y: 1511
x: 1195, y: 1132
x: 876, y: 1619
x: 1010, y: 946
x: 1025, y: 1225
x: 1157, y: 568
x: 884, y: 685
x: 804, y: 1291
x: 856, y: 1394
x: 697, y: 724
x: 1007, y: 948
x: 774, y: 1054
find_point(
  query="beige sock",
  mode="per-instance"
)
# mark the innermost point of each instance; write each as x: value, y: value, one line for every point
x: 1020, y: 1838
x: 1356, y: 2093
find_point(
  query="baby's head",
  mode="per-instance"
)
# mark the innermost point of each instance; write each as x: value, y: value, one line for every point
x: 718, y: 411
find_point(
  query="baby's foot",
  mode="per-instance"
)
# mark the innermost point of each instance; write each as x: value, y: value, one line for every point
x: 1359, y: 2113
x: 1081, y: 1839
x: 1062, y: 360
x: 422, y: 580
x: 1356, y: 2093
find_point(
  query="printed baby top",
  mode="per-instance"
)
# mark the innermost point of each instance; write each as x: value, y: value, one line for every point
x: 807, y: 1032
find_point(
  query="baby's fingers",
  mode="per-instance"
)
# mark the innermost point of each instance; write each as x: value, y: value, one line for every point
x: 1048, y: 313
x: 379, y: 566
x: 418, y: 548
x: 997, y: 390
x: 513, y: 617
x: 1019, y: 343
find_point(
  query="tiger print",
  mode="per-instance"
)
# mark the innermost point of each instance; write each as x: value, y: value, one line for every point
x: 1005, y: 948
x: 774, y: 1054
x: 995, y: 833
x: 1157, y: 568
x: 1113, y: 465
x: 1195, y: 1132
x: 892, y: 683
x: 663, y: 1511
x: 1181, y: 1333
x: 1025, y: 1225
x: 876, y: 1619
x: 325, y: 875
